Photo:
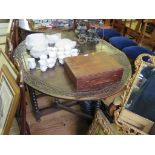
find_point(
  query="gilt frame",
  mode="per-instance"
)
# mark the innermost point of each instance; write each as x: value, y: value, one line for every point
x: 10, y: 95
x: 131, y: 127
x: 6, y: 61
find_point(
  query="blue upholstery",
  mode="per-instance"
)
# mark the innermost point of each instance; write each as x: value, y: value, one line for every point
x: 108, y: 33
x: 133, y: 51
x: 122, y: 42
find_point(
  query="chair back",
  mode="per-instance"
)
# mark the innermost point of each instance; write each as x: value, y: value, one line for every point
x: 119, y: 24
x: 148, y: 38
x: 12, y: 39
x: 134, y: 28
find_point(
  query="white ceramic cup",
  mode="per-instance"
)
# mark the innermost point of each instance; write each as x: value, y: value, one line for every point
x: 43, y: 68
x: 67, y: 48
x: 31, y: 63
x: 43, y: 57
x: 61, y: 49
x: 51, y: 62
x: 54, y: 49
x: 42, y: 62
x: 43, y: 65
x: 60, y: 53
x: 68, y: 52
x: 52, y: 54
x: 49, y: 48
x: 74, y: 52
x: 61, y: 61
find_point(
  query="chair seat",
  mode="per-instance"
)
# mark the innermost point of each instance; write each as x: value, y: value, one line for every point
x: 122, y: 42
x: 108, y: 33
x: 134, y: 51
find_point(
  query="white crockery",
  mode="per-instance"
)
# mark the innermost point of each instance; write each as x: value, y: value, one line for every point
x: 74, y: 52
x: 43, y: 68
x: 60, y: 49
x: 52, y: 54
x: 50, y: 62
x: 63, y: 43
x: 31, y: 63
x: 53, y: 38
x: 61, y: 61
x: 43, y: 57
x: 54, y: 49
x: 67, y: 48
x: 37, y: 51
x: 49, y: 48
x: 68, y: 54
x: 42, y: 62
x: 37, y: 39
x: 60, y: 54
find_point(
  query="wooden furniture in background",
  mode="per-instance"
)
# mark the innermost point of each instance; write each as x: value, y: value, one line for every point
x: 146, y: 38
x: 134, y: 29
x: 119, y: 25
x: 12, y: 39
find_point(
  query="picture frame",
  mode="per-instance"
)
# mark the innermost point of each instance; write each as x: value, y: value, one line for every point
x: 5, y: 60
x: 9, y: 99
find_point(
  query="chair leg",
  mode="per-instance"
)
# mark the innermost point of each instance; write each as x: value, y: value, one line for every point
x: 153, y: 49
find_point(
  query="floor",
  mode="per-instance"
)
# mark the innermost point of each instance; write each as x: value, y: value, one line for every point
x: 58, y: 123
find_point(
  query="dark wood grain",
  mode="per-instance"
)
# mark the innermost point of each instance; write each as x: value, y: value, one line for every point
x: 93, y: 71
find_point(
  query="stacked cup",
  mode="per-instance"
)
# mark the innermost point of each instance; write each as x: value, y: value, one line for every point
x: 31, y: 63
x: 74, y: 52
x: 52, y: 57
x: 43, y: 62
x: 67, y: 51
x: 61, y: 55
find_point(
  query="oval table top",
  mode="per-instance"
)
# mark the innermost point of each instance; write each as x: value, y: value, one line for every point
x: 56, y: 83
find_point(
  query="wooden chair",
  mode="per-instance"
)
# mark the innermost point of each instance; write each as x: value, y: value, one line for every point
x: 134, y: 29
x: 146, y: 38
x: 117, y: 29
x: 119, y: 25
x: 12, y: 39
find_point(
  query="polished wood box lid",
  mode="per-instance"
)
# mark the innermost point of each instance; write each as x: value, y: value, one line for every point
x: 84, y: 66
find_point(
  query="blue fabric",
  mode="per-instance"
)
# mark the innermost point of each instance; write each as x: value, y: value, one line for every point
x: 122, y: 42
x: 134, y: 51
x: 108, y: 33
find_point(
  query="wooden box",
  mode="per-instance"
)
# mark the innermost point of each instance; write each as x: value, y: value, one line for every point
x: 93, y: 71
